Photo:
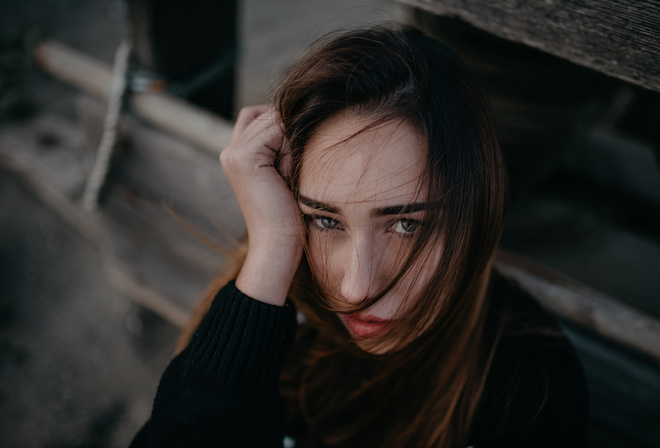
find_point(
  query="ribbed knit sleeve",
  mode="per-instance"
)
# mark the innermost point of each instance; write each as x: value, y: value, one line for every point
x: 222, y: 390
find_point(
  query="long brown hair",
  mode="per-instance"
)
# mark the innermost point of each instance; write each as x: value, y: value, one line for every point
x: 426, y: 392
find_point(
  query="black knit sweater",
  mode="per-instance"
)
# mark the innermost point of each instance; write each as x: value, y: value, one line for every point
x: 222, y: 390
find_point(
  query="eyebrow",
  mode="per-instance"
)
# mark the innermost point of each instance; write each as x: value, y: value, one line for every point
x: 318, y: 205
x: 401, y: 209
x: 383, y: 211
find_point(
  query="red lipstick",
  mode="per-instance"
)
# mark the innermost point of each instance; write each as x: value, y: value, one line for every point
x: 366, y: 325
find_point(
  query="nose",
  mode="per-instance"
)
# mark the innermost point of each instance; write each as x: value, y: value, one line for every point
x: 361, y: 270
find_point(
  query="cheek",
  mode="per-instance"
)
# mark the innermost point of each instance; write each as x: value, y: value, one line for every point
x: 423, y: 271
x: 331, y: 255
x: 322, y: 254
x: 415, y: 281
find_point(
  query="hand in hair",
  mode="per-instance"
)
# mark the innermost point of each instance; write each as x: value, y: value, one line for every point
x: 257, y: 163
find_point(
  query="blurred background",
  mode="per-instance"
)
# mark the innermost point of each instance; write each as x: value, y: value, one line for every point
x: 93, y: 292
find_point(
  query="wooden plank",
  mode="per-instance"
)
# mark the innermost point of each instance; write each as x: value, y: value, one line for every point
x: 179, y: 118
x: 153, y: 170
x: 145, y: 253
x: 618, y: 38
x: 162, y: 168
x: 126, y: 282
x: 583, y: 306
x: 49, y: 157
x: 149, y: 254
x: 74, y: 68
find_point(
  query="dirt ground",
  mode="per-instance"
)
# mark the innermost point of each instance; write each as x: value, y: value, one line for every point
x: 79, y: 362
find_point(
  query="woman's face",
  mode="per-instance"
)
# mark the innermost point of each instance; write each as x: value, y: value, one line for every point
x: 362, y: 198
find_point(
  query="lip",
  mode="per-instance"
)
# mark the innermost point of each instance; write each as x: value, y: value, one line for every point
x: 366, y: 325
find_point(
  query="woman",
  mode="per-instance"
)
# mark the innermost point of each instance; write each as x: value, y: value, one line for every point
x: 374, y: 197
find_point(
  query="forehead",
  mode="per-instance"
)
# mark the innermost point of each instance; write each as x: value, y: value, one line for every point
x: 349, y: 159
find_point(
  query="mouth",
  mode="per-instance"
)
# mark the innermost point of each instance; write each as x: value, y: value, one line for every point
x: 365, y: 325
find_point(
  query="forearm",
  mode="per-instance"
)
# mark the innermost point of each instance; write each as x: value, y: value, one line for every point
x: 257, y: 164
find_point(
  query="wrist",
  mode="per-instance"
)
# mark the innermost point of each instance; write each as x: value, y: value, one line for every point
x: 268, y: 271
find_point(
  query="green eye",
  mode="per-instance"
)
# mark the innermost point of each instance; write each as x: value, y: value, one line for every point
x: 326, y: 223
x: 405, y: 226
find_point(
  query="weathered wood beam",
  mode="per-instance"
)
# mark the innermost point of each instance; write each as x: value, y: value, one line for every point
x: 40, y: 170
x: 618, y: 38
x: 583, y: 306
x: 192, y: 124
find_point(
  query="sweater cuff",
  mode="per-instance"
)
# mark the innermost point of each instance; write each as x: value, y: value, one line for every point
x: 242, y: 339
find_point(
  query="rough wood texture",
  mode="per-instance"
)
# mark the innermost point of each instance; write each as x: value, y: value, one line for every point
x: 583, y: 306
x: 145, y: 253
x: 50, y: 159
x: 619, y: 38
x: 193, y: 124
x: 22, y: 155
x: 153, y: 170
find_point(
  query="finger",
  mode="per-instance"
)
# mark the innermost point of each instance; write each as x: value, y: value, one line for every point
x: 258, y: 144
x: 246, y: 116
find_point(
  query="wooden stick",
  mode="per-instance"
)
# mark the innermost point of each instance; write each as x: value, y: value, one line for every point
x: 201, y: 128
x: 582, y: 305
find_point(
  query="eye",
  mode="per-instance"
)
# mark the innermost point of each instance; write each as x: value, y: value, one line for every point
x: 325, y: 222
x: 322, y: 222
x: 405, y: 226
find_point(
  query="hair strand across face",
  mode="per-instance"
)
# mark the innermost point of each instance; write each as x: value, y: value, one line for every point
x: 381, y: 75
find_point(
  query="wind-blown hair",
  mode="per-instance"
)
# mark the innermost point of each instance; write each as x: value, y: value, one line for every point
x: 435, y: 375
x: 426, y: 391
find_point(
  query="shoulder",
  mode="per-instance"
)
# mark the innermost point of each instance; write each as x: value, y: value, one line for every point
x: 535, y: 393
